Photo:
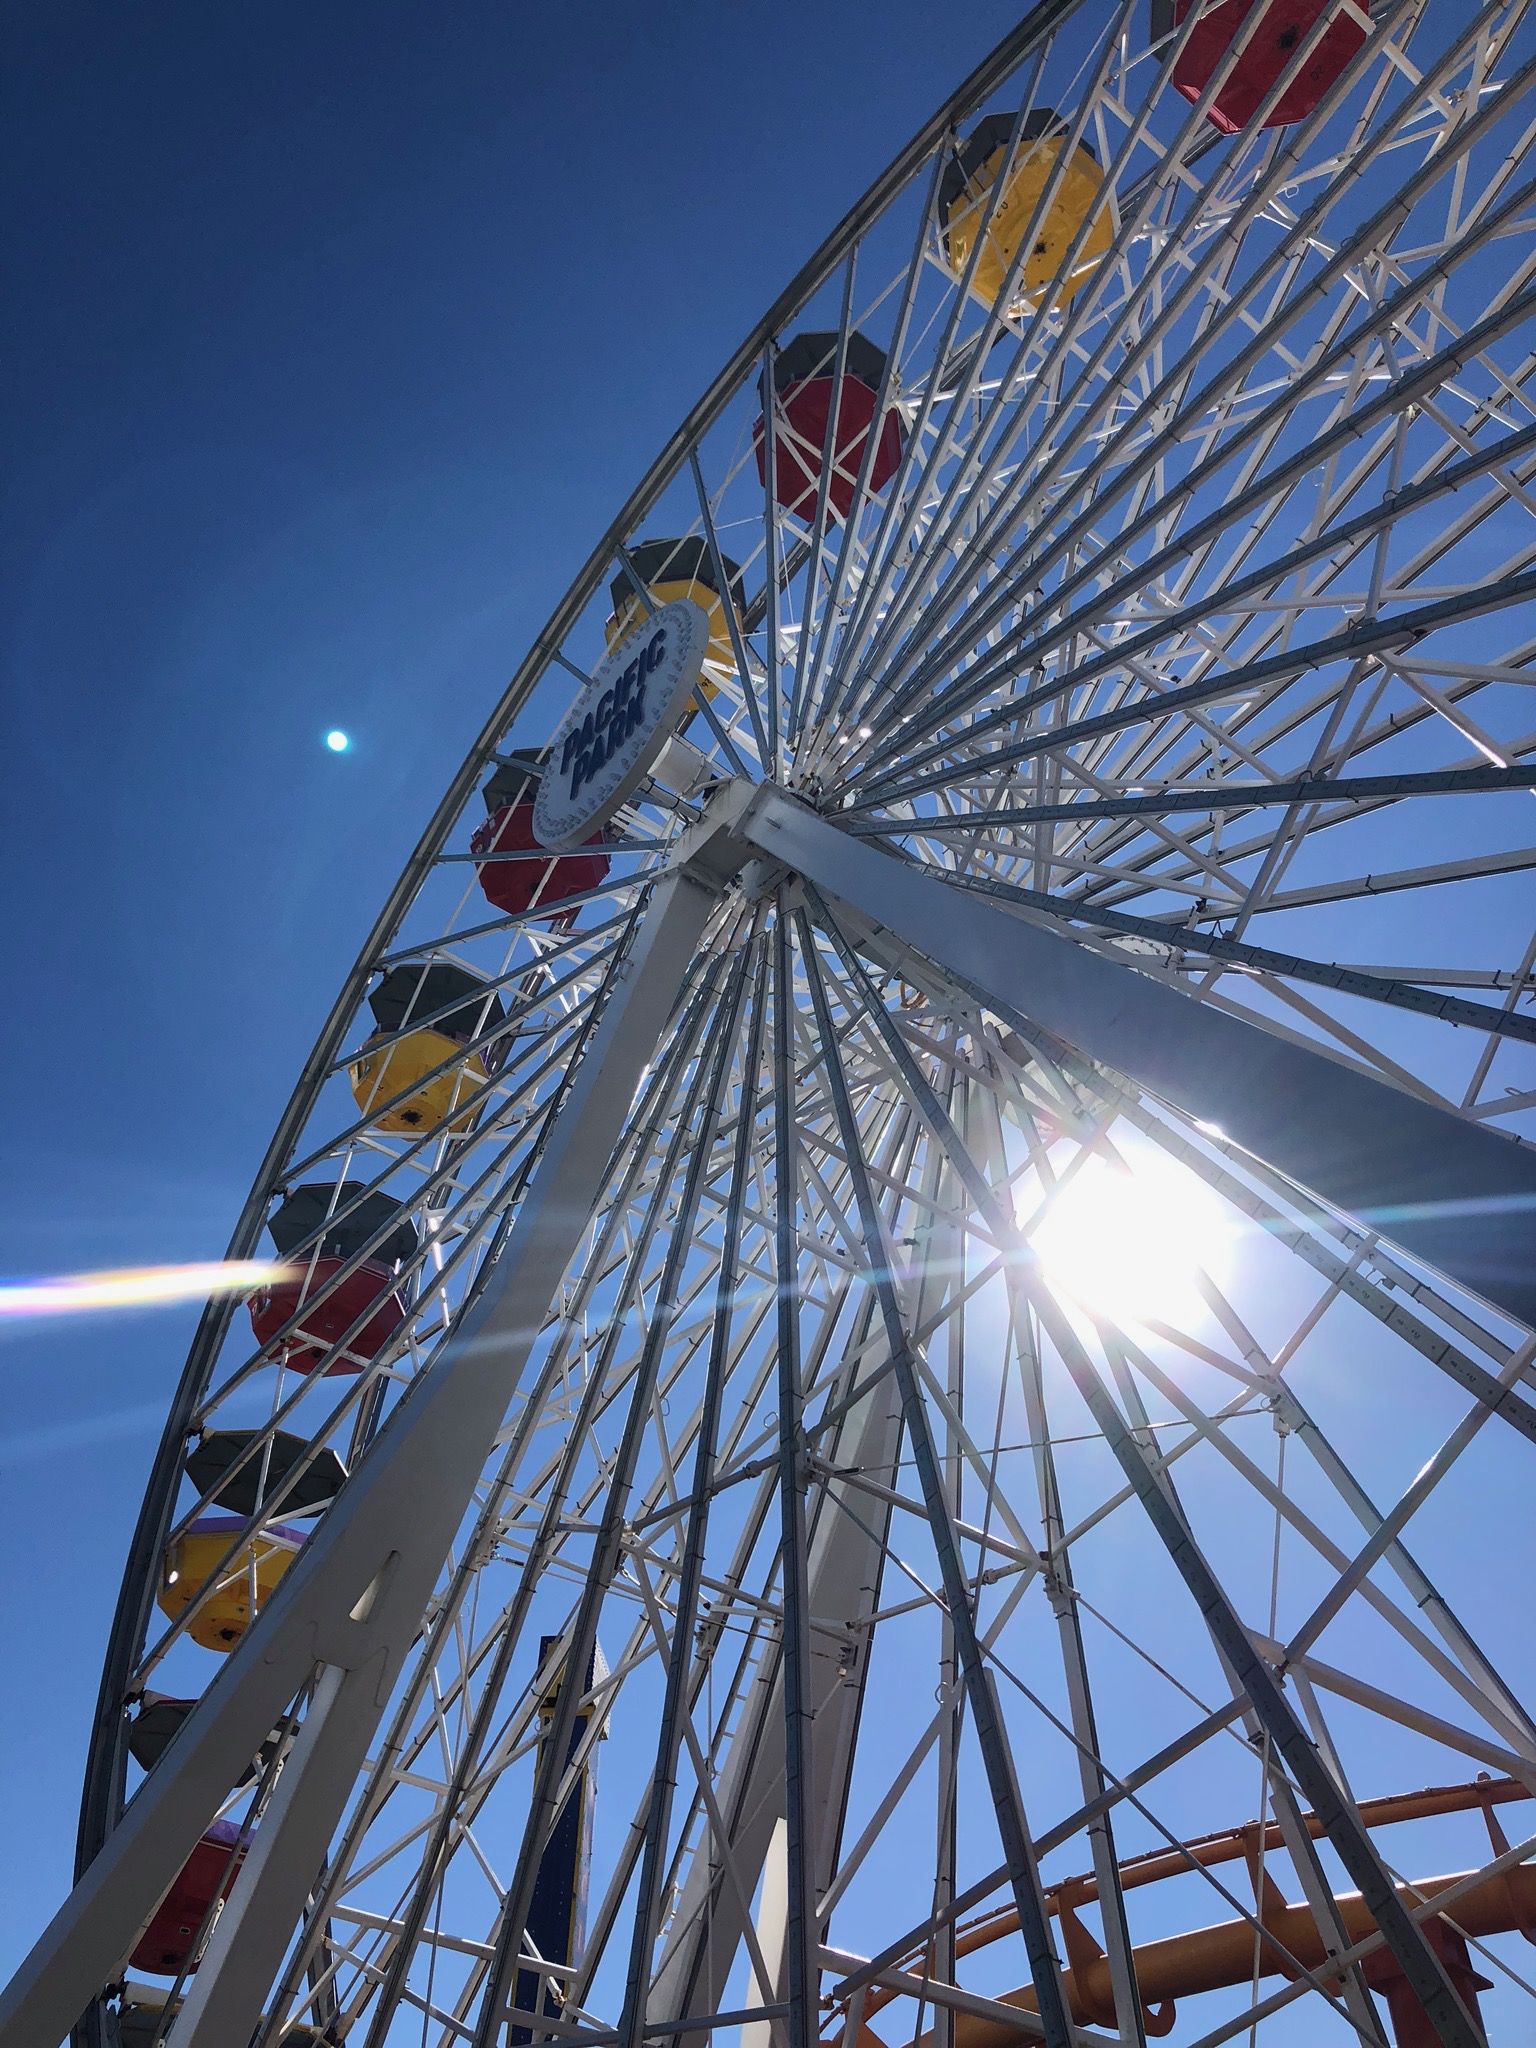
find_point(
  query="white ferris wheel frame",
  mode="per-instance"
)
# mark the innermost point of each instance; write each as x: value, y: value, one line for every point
x: 346, y: 1616
x: 1459, y: 1196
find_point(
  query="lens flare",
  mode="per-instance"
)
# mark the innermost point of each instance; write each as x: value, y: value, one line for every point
x: 68, y: 1294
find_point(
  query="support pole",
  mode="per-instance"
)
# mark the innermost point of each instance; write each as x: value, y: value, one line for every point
x: 354, y: 1600
x: 981, y: 1691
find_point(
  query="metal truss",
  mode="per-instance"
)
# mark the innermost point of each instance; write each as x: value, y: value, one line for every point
x: 1128, y: 793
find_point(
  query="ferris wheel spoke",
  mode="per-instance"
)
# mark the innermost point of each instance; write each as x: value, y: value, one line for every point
x: 1429, y: 371
x: 1363, y: 527
x: 826, y: 463
x: 1400, y: 720
x: 1369, y: 638
x: 1212, y: 797
x: 675, y: 1721
x: 508, y: 924
x: 882, y: 549
x: 1398, y: 1515
x: 1019, y: 708
x: 733, y: 620
x: 983, y: 494
x: 988, y: 482
x: 1348, y: 1581
x: 579, y: 1650
x: 1265, y: 1701
x: 1128, y: 2003
x: 990, y: 543
x: 836, y: 607
x: 863, y: 639
x: 979, y: 1684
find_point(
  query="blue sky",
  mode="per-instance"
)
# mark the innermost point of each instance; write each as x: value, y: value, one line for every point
x: 335, y: 335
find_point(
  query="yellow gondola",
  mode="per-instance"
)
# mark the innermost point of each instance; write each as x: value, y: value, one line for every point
x: 1077, y: 196
x: 224, y: 1607
x: 393, y: 1076
x: 673, y: 569
x: 386, y: 1068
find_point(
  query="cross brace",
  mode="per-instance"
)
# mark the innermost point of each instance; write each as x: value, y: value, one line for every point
x: 1450, y: 1193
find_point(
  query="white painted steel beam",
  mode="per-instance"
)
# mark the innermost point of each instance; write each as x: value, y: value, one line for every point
x: 842, y: 1580
x: 352, y: 1605
x: 1452, y: 1193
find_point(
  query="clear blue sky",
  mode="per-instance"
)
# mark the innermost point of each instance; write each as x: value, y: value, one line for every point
x: 335, y: 335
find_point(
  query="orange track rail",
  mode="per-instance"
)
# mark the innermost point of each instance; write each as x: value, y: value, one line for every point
x: 1210, y: 1958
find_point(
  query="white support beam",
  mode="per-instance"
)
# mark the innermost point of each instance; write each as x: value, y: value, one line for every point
x: 1450, y: 1192
x: 842, y: 1578
x: 351, y: 1607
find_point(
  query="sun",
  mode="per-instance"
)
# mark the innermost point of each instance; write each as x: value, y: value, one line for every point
x: 1130, y: 1242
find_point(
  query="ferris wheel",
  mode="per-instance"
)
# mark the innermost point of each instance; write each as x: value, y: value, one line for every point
x: 899, y: 1399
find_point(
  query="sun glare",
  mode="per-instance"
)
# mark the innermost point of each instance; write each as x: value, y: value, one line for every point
x: 1130, y: 1243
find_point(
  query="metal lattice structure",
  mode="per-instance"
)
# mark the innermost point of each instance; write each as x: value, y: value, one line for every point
x: 975, y: 1285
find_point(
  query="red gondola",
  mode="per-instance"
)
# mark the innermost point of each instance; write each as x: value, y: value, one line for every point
x: 803, y: 383
x: 165, y: 1947
x: 1268, y: 45
x: 513, y: 886
x: 319, y: 1245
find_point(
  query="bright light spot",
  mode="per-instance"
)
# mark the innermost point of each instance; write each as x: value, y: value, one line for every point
x: 337, y: 740
x: 866, y: 732
x: 1130, y: 1244
x: 135, y: 1287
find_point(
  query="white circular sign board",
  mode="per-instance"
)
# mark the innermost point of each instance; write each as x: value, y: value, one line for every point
x: 619, y: 723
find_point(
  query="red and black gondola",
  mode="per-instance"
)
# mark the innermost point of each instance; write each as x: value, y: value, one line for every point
x: 805, y: 385
x: 1267, y: 35
x: 316, y: 1243
x: 516, y: 886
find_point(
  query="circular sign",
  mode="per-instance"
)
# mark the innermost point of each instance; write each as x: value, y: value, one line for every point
x: 619, y: 723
